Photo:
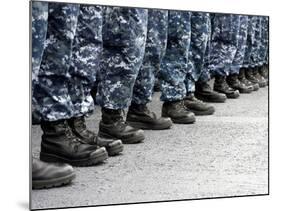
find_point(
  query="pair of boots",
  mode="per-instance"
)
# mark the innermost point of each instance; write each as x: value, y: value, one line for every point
x: 246, y: 81
x: 184, y: 111
x: 69, y: 141
x: 113, y: 124
x: 257, y: 75
x: 234, y: 84
x: 221, y: 85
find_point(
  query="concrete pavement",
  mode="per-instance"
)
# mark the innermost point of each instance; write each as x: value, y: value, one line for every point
x: 225, y: 154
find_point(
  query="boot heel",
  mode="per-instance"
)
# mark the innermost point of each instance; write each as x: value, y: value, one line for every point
x: 48, y: 157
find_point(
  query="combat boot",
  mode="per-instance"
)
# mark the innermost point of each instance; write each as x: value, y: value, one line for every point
x: 139, y: 116
x: 79, y: 128
x: 256, y: 74
x: 177, y: 112
x: 114, y: 126
x: 221, y: 86
x: 198, y: 107
x: 242, y: 78
x: 59, y: 144
x: 263, y: 71
x: 204, y: 92
x: 235, y: 84
x: 249, y: 73
x: 48, y: 175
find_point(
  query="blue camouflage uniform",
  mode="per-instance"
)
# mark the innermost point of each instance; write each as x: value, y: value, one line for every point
x: 156, y: 42
x: 254, y: 59
x: 263, y: 50
x: 200, y: 35
x: 69, y: 62
x: 252, y: 42
x: 39, y: 31
x: 173, y: 68
x: 237, y: 62
x: 267, y: 40
x: 224, y: 41
x: 124, y: 37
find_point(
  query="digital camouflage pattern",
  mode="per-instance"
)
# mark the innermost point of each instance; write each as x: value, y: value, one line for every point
x: 86, y: 53
x: 39, y: 30
x: 62, y: 90
x: 254, y: 59
x: 156, y: 42
x: 124, y: 37
x: 173, y: 68
x: 200, y: 34
x: 237, y: 62
x: 263, y: 50
x: 252, y: 42
x: 225, y: 29
x: 267, y: 40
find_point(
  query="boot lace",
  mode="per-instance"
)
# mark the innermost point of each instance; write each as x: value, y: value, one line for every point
x: 72, y: 139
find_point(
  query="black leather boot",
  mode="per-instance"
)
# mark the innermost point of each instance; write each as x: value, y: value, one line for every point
x: 79, y: 128
x: 48, y: 175
x: 235, y: 84
x: 249, y: 73
x: 242, y: 78
x: 263, y: 71
x: 114, y: 126
x: 260, y: 78
x: 204, y: 92
x: 59, y: 144
x: 139, y: 116
x: 198, y: 107
x: 221, y: 86
x: 177, y: 112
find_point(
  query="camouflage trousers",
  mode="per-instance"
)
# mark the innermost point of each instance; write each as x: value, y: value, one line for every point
x: 156, y: 41
x: 69, y: 62
x: 124, y: 37
x: 224, y: 41
x: 253, y: 42
x: 173, y: 68
x: 263, y: 49
x: 237, y: 62
x: 200, y: 34
x: 39, y: 31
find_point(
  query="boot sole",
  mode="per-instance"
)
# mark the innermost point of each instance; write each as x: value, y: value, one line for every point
x: 246, y: 91
x: 141, y: 125
x: 256, y: 87
x: 262, y: 85
x: 233, y: 95
x: 203, y: 113
x: 130, y: 140
x: 50, y: 183
x: 115, y: 148
x: 182, y: 121
x: 96, y: 157
x: 210, y: 100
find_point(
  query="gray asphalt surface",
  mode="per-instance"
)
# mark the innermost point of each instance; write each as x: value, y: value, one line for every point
x: 225, y: 154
